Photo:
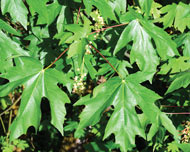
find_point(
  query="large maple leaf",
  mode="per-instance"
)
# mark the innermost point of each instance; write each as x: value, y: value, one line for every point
x: 124, y: 122
x: 149, y: 41
x: 38, y: 83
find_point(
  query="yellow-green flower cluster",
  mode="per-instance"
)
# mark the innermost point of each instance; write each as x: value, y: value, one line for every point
x: 79, y: 86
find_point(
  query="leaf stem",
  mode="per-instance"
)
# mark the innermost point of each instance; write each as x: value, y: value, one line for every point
x: 56, y: 59
x: 10, y: 119
x: 105, y: 60
x: 103, y: 29
x: 78, y: 14
x: 173, y: 106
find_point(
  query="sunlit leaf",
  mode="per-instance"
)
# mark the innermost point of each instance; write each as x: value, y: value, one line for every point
x: 17, y: 10
x: 124, y: 122
x: 38, y: 83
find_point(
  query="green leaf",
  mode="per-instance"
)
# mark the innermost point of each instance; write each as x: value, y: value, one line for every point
x: 8, y: 49
x: 155, y: 10
x: 8, y: 28
x: 46, y: 13
x: 119, y: 6
x: 146, y: 6
x: 17, y: 10
x: 120, y: 66
x: 38, y: 83
x: 77, y: 48
x: 172, y: 147
x: 184, y: 41
x: 175, y: 65
x: 181, y: 80
x: 88, y: 60
x: 88, y: 4
x: 177, y: 14
x: 185, y: 146
x: 142, y: 52
x: 165, y: 46
x: 105, y: 9
x: 124, y: 122
x: 61, y: 19
x: 79, y: 32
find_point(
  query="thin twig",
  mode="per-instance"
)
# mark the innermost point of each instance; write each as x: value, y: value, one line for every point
x: 173, y: 106
x: 103, y: 29
x: 78, y: 14
x: 105, y: 60
x: 56, y: 59
x: 10, y: 106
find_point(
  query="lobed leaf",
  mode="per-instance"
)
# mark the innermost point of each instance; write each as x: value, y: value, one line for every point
x: 38, y: 83
x: 181, y: 80
x: 124, y: 122
x: 179, y: 14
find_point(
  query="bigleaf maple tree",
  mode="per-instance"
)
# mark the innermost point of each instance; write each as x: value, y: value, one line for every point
x: 111, y: 69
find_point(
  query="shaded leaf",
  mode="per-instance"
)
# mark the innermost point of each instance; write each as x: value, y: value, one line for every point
x: 184, y: 41
x: 8, y: 28
x: 181, y: 80
x: 46, y: 13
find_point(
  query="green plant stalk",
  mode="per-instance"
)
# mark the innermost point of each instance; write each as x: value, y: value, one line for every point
x: 82, y: 68
x: 11, y: 106
x: 3, y: 125
x: 10, y: 120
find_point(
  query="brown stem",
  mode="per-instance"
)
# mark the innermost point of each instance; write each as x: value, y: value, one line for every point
x: 78, y: 14
x: 106, y: 60
x: 173, y: 106
x: 56, y: 59
x: 103, y: 29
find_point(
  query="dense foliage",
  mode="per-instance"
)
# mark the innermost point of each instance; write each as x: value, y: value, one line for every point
x: 95, y: 75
